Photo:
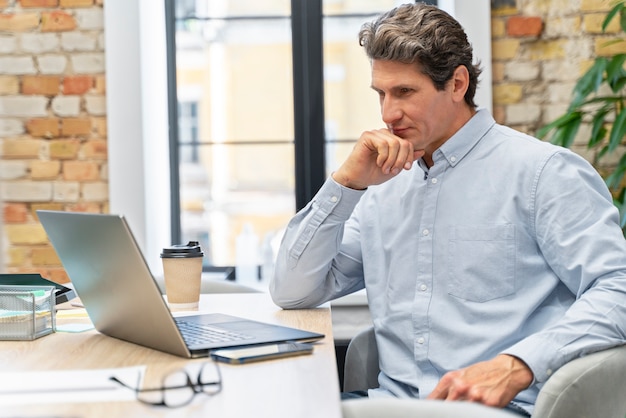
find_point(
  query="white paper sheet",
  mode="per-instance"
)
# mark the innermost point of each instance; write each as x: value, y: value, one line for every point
x: 68, y: 386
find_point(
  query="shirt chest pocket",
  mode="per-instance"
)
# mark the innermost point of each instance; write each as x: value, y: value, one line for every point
x: 481, y: 262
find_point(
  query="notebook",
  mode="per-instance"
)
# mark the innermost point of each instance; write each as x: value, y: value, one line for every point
x: 122, y: 299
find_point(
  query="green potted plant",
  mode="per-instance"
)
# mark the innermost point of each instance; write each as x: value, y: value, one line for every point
x: 600, y: 100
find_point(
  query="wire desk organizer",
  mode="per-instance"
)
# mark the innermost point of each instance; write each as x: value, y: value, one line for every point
x: 26, y: 312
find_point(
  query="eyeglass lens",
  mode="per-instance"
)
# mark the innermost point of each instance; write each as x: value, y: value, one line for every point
x: 209, y: 379
x: 178, y: 389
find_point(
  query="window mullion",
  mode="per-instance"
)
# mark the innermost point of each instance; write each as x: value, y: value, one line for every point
x: 308, y: 81
x: 170, y: 44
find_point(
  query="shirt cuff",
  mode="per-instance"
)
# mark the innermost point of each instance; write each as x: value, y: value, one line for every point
x: 338, y: 200
x: 539, y: 355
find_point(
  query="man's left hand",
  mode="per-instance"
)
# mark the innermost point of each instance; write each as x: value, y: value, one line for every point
x: 493, y: 383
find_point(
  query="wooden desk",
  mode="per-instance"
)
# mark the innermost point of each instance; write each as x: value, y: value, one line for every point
x: 305, y: 386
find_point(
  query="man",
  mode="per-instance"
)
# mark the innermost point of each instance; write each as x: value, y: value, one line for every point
x: 490, y: 258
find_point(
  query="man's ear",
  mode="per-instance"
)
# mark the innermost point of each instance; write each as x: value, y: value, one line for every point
x: 460, y: 83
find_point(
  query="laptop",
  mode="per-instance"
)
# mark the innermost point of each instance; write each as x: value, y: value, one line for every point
x: 122, y: 299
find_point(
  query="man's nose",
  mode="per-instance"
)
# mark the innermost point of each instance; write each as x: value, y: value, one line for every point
x: 390, y: 111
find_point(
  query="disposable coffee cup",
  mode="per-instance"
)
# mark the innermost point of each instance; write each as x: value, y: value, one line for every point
x: 182, y: 270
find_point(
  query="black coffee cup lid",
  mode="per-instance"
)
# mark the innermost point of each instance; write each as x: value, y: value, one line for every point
x: 189, y: 250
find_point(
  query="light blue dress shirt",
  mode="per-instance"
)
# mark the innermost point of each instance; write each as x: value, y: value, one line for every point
x: 507, y: 244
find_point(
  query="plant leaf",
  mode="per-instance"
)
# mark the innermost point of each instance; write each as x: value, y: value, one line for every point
x: 602, y: 152
x: 619, y: 84
x: 559, y: 123
x: 614, y: 179
x: 616, y: 9
x: 566, y: 134
x: 589, y: 82
x: 598, y: 131
x: 618, y: 130
x: 619, y: 202
x: 622, y: 206
x: 615, y: 71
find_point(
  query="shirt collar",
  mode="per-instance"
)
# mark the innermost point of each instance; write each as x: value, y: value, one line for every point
x: 462, y: 142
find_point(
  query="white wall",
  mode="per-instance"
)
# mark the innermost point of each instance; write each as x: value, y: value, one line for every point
x: 137, y: 121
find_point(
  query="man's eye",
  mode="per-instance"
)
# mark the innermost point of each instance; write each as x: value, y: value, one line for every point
x: 404, y: 90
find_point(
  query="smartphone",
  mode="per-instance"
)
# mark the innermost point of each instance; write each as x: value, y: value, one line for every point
x: 61, y: 293
x: 248, y: 354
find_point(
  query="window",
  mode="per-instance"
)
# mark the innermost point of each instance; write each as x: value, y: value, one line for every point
x: 188, y: 132
x: 235, y: 143
x: 258, y: 169
x: 262, y: 80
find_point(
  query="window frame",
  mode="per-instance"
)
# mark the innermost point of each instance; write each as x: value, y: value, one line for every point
x: 308, y: 91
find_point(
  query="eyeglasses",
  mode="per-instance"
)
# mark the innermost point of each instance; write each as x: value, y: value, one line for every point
x: 178, y: 388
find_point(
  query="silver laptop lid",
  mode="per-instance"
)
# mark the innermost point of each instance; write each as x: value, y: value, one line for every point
x: 101, y: 256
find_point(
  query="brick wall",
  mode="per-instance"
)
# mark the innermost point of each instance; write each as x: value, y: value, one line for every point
x: 540, y: 48
x: 53, y: 148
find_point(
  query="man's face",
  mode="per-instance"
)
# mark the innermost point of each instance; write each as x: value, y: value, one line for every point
x: 411, y: 106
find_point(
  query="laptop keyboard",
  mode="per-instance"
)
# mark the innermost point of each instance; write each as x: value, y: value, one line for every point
x: 198, y: 334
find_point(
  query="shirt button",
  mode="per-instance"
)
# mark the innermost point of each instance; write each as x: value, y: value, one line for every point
x: 423, y: 288
x: 420, y: 340
x: 425, y: 232
x: 453, y: 159
x: 549, y: 372
x: 434, y: 181
x: 334, y: 199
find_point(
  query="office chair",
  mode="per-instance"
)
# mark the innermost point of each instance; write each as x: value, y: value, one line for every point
x: 588, y: 387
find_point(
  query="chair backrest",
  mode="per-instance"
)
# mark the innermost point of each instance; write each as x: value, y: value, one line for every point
x: 590, y: 386
x: 361, y: 365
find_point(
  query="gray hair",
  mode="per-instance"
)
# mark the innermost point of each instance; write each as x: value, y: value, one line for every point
x: 424, y: 35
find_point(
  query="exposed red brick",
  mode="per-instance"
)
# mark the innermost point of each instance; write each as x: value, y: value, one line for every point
x: 57, y: 21
x: 44, y: 170
x: 76, y: 3
x: 81, y: 170
x: 80, y: 84
x: 523, y: 26
x: 43, y: 127
x: 15, y: 212
x: 95, y: 149
x: 44, y: 256
x: 44, y: 206
x: 28, y: 270
x: 101, y: 126
x: 57, y: 275
x: 75, y: 126
x: 88, y: 207
x: 100, y: 84
x: 22, y: 22
x: 40, y: 84
x: 39, y: 3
